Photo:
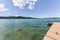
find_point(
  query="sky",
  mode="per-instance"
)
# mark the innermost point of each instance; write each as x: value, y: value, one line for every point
x: 30, y: 8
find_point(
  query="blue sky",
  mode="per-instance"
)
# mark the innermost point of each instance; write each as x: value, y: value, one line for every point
x: 41, y: 8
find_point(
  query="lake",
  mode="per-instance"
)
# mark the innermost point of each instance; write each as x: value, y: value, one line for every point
x: 24, y: 29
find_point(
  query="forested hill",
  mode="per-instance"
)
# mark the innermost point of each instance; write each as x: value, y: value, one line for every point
x: 15, y: 17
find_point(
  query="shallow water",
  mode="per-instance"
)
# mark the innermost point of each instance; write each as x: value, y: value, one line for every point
x: 10, y: 28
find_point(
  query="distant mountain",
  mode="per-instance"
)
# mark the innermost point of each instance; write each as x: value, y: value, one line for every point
x: 15, y: 17
x: 53, y: 18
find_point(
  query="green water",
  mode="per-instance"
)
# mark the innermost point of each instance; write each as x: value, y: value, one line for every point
x: 24, y: 29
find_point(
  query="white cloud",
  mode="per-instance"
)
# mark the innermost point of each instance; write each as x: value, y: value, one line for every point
x: 22, y: 3
x: 3, y: 8
x: 16, y: 15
